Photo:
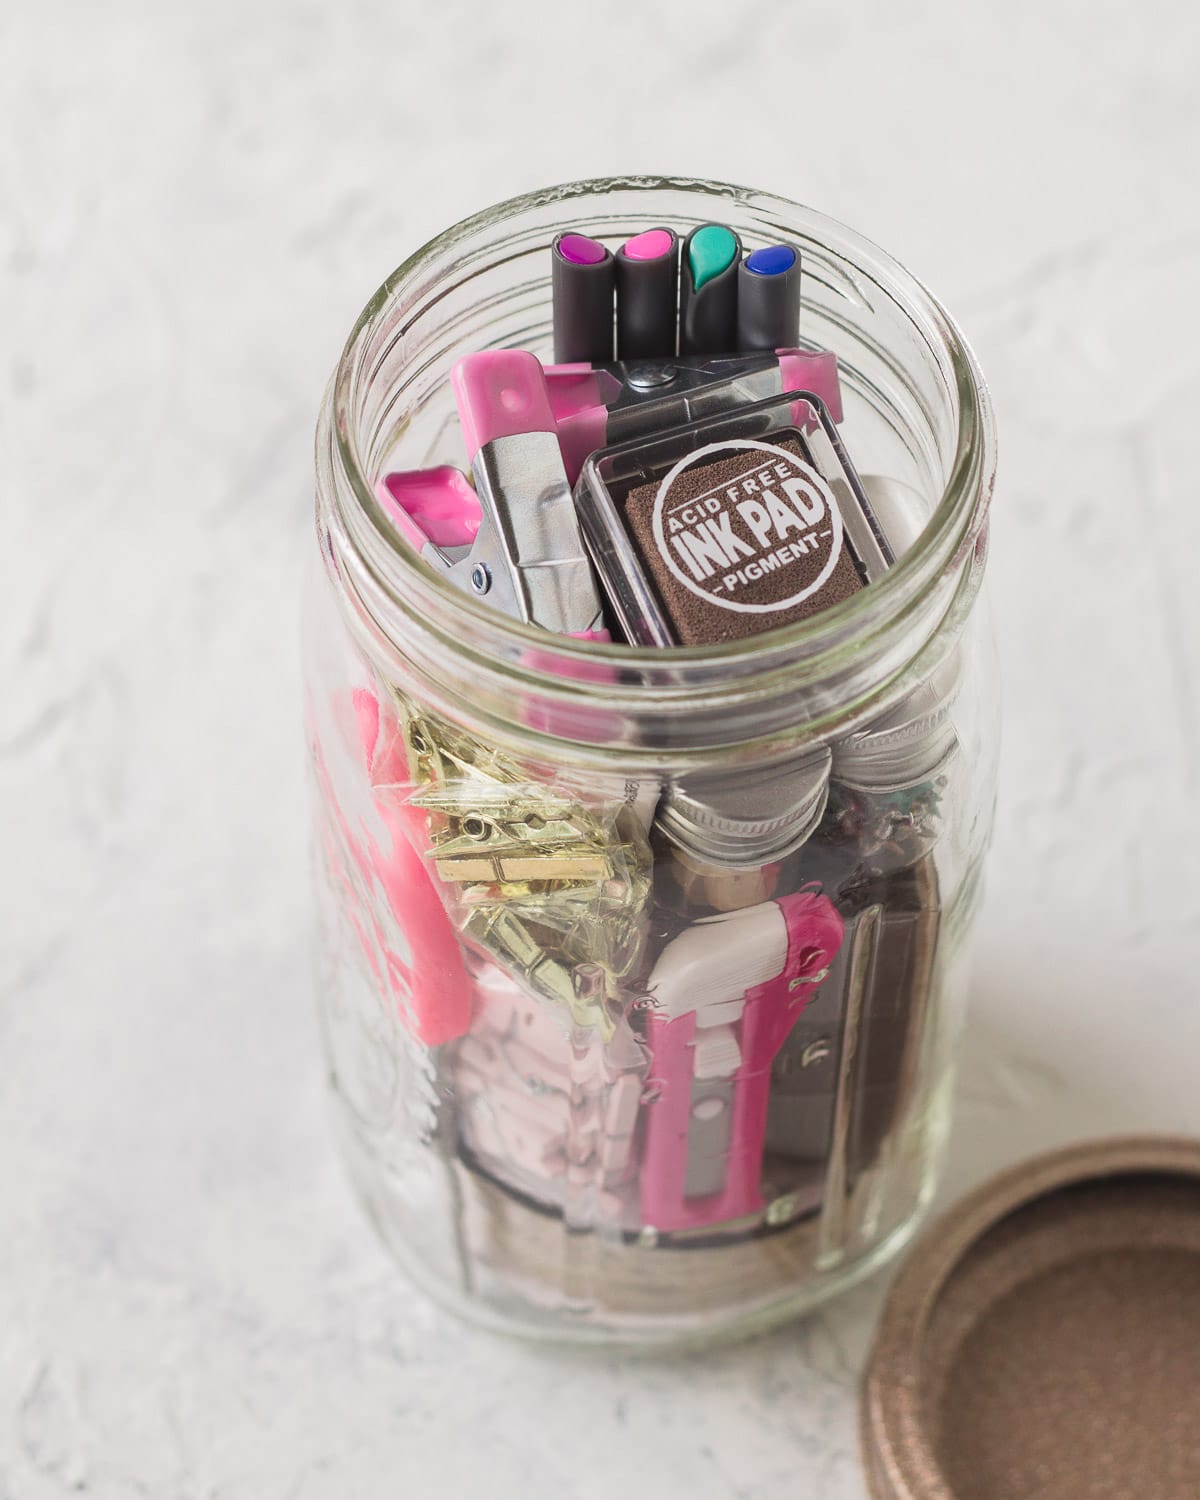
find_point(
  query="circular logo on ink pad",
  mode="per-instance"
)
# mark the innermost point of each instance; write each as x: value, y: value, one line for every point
x: 747, y: 526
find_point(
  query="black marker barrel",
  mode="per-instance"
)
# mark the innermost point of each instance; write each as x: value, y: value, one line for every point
x: 768, y: 299
x: 647, y: 278
x: 708, y: 287
x: 582, y: 284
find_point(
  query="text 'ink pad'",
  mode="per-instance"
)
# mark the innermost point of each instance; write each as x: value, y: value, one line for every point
x: 730, y: 526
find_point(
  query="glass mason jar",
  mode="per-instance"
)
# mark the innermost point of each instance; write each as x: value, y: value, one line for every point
x: 640, y: 969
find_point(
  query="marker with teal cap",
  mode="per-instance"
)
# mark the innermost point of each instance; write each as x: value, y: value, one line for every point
x: 708, y: 285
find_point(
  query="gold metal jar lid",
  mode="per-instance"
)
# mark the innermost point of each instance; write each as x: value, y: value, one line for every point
x: 1043, y: 1340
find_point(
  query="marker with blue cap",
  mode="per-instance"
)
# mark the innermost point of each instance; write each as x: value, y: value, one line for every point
x: 768, y: 299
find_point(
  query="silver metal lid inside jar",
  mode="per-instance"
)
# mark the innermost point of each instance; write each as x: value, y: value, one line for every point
x: 748, y: 820
x: 908, y: 744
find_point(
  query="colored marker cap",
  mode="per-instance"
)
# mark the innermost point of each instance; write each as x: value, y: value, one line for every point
x: 711, y: 250
x: 647, y: 295
x: 580, y: 250
x: 768, y: 299
x: 771, y: 260
x: 582, y: 280
x: 652, y: 245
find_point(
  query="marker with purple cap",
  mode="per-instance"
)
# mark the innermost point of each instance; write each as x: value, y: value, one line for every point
x: 582, y: 283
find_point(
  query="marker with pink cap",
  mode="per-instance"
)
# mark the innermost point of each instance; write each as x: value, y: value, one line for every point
x: 582, y: 285
x: 647, y: 295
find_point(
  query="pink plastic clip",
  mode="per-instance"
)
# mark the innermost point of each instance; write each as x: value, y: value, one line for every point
x: 797, y: 938
x: 429, y: 979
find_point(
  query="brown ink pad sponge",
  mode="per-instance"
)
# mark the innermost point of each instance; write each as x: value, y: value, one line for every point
x: 1043, y: 1341
x: 740, y: 539
x: 730, y: 525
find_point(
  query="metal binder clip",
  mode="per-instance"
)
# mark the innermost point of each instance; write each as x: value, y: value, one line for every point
x: 514, y: 539
x: 596, y: 406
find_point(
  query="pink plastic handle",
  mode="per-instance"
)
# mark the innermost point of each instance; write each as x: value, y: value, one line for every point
x: 500, y: 393
x: 578, y: 388
x: 579, y: 436
x: 770, y: 1010
x: 812, y: 370
x: 428, y: 980
x: 432, y: 505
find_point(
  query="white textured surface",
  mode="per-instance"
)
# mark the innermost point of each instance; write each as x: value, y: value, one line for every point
x: 195, y: 200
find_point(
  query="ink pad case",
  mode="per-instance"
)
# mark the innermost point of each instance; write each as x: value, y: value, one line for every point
x: 1043, y: 1340
x: 730, y: 525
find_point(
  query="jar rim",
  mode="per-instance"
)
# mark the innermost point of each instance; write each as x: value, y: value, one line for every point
x: 402, y: 582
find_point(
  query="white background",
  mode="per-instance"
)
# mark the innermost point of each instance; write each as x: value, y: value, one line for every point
x: 195, y: 201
